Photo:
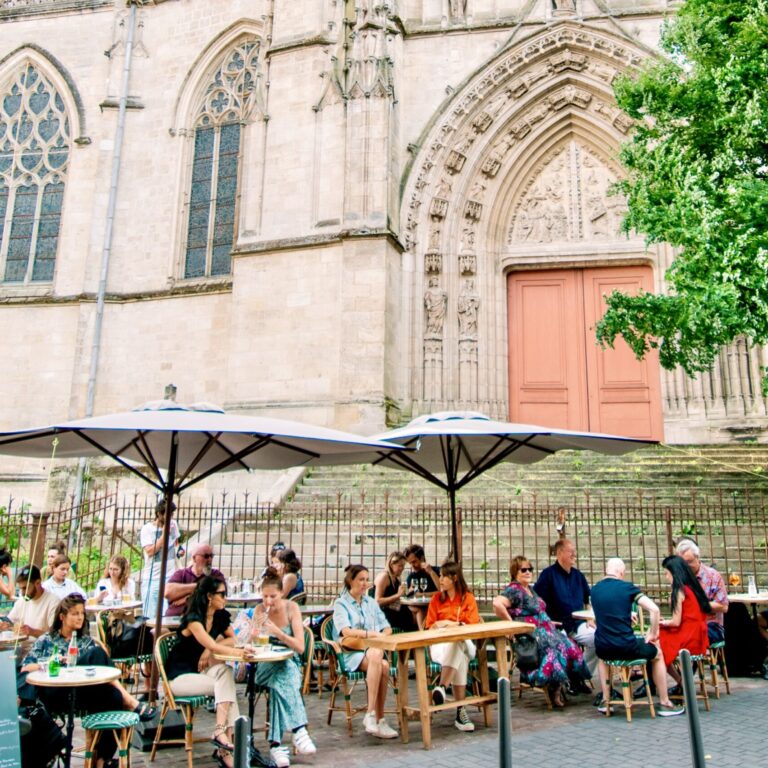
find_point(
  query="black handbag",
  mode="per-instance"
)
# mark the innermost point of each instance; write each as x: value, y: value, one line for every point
x: 44, y: 739
x: 526, y: 653
x: 127, y: 639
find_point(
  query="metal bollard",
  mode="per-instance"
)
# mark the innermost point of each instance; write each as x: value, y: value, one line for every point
x: 505, y: 722
x: 242, y: 742
x: 692, y: 711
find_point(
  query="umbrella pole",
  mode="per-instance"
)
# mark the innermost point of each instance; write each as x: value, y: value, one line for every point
x: 455, y: 528
x: 168, y: 489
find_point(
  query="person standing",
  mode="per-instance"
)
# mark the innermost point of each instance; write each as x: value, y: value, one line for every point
x: 615, y: 640
x: 713, y: 585
x: 150, y: 538
x: 564, y: 589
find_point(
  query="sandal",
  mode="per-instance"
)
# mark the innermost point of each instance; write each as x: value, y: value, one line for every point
x: 145, y: 711
x: 219, y: 756
x: 218, y: 732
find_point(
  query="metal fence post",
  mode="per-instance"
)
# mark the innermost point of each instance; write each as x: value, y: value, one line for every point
x: 505, y: 722
x: 694, y: 726
x: 242, y: 742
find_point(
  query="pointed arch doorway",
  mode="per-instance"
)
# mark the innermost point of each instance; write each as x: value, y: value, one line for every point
x: 558, y: 376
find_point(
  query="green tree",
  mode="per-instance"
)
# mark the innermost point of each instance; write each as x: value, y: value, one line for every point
x: 696, y: 179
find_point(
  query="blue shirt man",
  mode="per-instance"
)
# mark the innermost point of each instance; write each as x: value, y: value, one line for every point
x: 564, y: 588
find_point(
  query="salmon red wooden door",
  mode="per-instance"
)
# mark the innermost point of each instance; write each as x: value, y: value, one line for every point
x: 558, y: 375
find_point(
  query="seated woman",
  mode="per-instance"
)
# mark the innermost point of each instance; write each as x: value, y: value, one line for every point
x: 388, y: 592
x: 281, y: 619
x: 69, y: 622
x: 688, y: 626
x: 7, y: 590
x: 357, y: 615
x: 191, y: 669
x: 453, y: 606
x: 559, y: 657
x: 117, y: 582
x: 59, y: 584
x: 289, y: 567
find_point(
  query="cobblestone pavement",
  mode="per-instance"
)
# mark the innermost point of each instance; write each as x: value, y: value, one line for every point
x: 735, y: 735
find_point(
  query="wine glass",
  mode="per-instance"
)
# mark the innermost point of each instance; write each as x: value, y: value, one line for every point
x: 423, y: 583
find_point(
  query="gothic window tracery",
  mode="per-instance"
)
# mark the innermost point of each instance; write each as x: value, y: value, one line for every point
x: 34, y: 151
x: 218, y: 132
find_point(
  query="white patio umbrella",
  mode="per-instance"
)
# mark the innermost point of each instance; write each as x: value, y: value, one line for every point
x: 172, y: 447
x: 461, y: 445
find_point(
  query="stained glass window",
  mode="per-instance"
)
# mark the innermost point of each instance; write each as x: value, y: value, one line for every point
x: 34, y: 151
x: 212, y: 205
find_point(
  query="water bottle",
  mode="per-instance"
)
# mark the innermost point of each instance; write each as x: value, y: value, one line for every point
x: 53, y: 664
x: 751, y: 586
x: 72, y: 653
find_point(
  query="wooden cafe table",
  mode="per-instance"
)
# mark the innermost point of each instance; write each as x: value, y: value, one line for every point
x: 753, y: 600
x: 498, y: 631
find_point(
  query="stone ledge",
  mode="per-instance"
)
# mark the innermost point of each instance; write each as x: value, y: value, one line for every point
x: 12, y: 9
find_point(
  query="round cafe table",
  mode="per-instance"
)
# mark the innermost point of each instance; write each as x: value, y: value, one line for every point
x: 417, y: 602
x: 261, y: 656
x: 10, y: 640
x: 72, y: 679
x: 132, y: 605
x: 252, y: 598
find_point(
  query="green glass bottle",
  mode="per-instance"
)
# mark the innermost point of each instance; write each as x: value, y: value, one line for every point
x: 53, y: 664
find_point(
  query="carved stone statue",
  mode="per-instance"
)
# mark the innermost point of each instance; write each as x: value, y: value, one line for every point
x: 458, y: 8
x: 469, y: 304
x: 435, y: 302
x: 564, y: 5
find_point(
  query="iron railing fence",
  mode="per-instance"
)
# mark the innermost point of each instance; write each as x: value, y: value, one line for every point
x: 732, y: 530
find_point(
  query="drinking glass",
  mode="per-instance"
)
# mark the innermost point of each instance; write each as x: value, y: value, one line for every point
x: 423, y: 583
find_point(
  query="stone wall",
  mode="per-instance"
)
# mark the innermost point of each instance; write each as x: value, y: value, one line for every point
x: 394, y: 158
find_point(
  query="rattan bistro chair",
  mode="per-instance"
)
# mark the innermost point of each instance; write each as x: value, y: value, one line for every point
x: 184, y: 704
x: 624, y: 669
x: 717, y: 660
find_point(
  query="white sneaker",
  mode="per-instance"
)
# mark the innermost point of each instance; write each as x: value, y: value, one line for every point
x: 280, y: 756
x: 463, y: 723
x: 385, y: 732
x: 302, y: 743
x: 370, y: 724
x: 438, y: 695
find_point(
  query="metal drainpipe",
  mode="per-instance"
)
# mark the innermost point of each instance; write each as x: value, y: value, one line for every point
x: 107, y: 245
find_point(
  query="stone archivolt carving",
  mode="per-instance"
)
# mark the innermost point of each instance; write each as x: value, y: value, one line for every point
x: 566, y: 199
x: 596, y: 55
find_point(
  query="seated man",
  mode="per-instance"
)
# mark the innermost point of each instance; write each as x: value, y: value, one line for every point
x: 35, y: 611
x: 564, y: 588
x: 713, y: 585
x: 182, y: 583
x: 422, y: 578
x: 615, y: 640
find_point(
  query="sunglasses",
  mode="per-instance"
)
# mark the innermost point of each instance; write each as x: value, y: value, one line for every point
x: 221, y: 592
x: 529, y: 569
x: 208, y: 556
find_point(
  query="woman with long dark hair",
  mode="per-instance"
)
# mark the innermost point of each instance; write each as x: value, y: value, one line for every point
x: 70, y: 622
x: 192, y: 670
x: 559, y: 657
x: 356, y: 615
x: 688, y: 626
x: 453, y: 606
x: 289, y: 567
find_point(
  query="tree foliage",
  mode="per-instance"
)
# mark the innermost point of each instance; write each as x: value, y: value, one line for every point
x: 696, y: 179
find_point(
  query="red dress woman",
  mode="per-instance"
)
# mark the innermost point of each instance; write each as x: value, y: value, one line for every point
x: 690, y: 633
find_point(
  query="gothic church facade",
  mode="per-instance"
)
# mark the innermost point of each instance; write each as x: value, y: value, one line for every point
x: 345, y: 211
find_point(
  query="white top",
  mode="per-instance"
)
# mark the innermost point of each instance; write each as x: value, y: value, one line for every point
x: 63, y: 590
x: 38, y: 614
x: 115, y: 594
x: 150, y: 533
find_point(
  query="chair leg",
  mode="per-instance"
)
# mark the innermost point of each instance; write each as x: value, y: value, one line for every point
x: 347, y: 703
x: 715, y: 681
x: 91, y: 739
x: 703, y: 685
x: 189, y: 739
x: 123, y: 738
x: 648, y: 691
x: 158, y: 733
x: 626, y: 691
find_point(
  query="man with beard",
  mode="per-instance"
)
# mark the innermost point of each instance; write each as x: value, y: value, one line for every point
x: 183, y: 582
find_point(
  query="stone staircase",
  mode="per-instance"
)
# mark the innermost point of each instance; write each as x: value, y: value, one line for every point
x: 662, y: 474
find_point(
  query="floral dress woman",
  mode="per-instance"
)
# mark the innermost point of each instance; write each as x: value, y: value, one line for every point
x: 559, y: 657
